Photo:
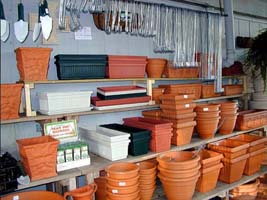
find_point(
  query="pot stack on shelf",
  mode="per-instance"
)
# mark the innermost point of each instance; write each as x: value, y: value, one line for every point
x: 207, y: 120
x: 178, y: 109
x: 179, y: 172
x: 246, y: 191
x: 122, y: 181
x: 147, y: 179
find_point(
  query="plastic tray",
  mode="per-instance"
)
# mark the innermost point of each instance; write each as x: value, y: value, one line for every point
x: 119, y: 90
x: 129, y: 105
x: 97, y: 102
x: 64, y: 102
x: 75, y: 70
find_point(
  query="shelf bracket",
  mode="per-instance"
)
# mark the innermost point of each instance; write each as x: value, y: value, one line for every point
x: 27, y: 90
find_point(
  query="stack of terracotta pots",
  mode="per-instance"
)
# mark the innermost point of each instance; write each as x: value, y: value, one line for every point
x: 256, y: 152
x: 210, y: 169
x: 147, y: 179
x: 262, y: 191
x: 100, y: 193
x: 179, y: 172
x: 122, y: 181
x: 208, y: 116
x: 246, y: 191
x: 228, y: 116
x: 179, y: 110
x: 235, y: 158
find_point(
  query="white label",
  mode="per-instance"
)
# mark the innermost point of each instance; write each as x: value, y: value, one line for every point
x: 122, y: 184
x: 16, y: 197
x: 205, y: 109
x: 187, y: 105
x: 185, y: 96
x: 84, y: 33
x: 115, y: 191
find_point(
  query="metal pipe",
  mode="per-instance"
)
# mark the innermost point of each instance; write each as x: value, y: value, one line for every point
x: 229, y: 30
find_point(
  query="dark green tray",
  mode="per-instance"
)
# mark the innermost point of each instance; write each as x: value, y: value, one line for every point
x: 139, y: 147
x: 82, y: 57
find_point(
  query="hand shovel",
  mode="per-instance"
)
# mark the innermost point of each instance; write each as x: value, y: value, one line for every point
x: 21, y: 27
x: 37, y: 26
x: 46, y: 21
x: 4, y: 24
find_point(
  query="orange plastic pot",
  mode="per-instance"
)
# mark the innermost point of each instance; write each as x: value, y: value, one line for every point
x: 148, y: 176
x: 156, y: 93
x: 34, y: 195
x: 147, y: 194
x: 132, y: 196
x: 122, y: 190
x: 233, y: 169
x: 206, y: 128
x: 208, y: 178
x: 207, y: 107
x: 231, y: 111
x: 228, y: 105
x: 32, y: 63
x: 155, y: 67
x: 176, y: 97
x: 147, y: 184
x: 180, y: 160
x: 123, y: 170
x: 10, y: 101
x: 254, y: 161
x: 123, y: 182
x: 179, y: 174
x: 154, y: 114
x: 211, y: 114
x: 227, y: 124
x: 182, y: 136
x: 209, y: 158
x: 83, y: 193
x: 100, y: 193
x: 147, y: 167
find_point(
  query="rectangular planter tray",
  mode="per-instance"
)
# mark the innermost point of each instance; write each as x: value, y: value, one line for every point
x: 130, y: 105
x: 80, y: 57
x: 119, y: 90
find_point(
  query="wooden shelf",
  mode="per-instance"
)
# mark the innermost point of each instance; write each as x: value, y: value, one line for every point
x: 94, y: 112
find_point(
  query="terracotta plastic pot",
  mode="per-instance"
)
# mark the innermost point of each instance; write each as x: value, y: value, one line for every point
x: 33, y: 195
x: 148, y: 176
x: 254, y: 162
x: 207, y: 107
x: 147, y: 184
x: 180, y: 160
x: 179, y: 174
x: 123, y: 182
x: 209, y: 158
x: 100, y: 193
x: 156, y: 93
x: 146, y: 167
x: 176, y: 97
x: 206, y: 128
x: 227, y: 124
x: 147, y: 194
x: 228, y: 105
x: 154, y: 114
x: 211, y: 114
x: 123, y: 170
x: 155, y: 67
x: 83, y: 193
x: 133, y: 196
x: 122, y: 190
x: 182, y: 136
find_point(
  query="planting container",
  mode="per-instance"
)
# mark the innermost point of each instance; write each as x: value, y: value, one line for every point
x: 139, y: 146
x: 52, y: 103
x: 181, y: 160
x: 230, y: 148
x: 122, y: 182
x: 10, y: 101
x: 155, y: 67
x: 233, y: 169
x: 147, y: 194
x: 210, y: 114
x: 183, y: 89
x: 208, y: 91
x: 83, y: 193
x: 207, y: 107
x: 228, y: 105
x: 182, y: 72
x: 232, y: 89
x: 251, y: 119
x: 254, y: 162
x: 246, y: 191
x: 227, y: 124
x: 161, y: 143
x: 39, y: 156
x: 32, y: 63
x: 255, y: 142
x: 183, y: 135
x: 175, y: 98
x: 209, y: 158
x: 154, y: 114
x: 100, y: 193
x: 156, y: 93
x: 147, y: 167
x: 178, y: 107
x: 208, y: 178
x: 130, y: 196
x: 206, y: 128
x: 122, y: 170
x: 122, y: 190
x: 173, y: 117
x: 179, y: 174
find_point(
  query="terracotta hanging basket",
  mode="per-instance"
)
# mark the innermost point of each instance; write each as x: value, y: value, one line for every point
x: 10, y: 101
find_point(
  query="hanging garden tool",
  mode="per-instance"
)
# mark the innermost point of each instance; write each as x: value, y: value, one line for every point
x: 4, y: 24
x: 21, y: 27
x: 46, y: 21
x: 38, y: 25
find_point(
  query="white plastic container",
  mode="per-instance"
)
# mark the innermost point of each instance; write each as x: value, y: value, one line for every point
x: 107, y: 145
x: 52, y: 103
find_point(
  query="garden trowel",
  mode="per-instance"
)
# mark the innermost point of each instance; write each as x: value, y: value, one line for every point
x: 46, y: 21
x: 38, y: 25
x: 21, y: 27
x: 4, y: 24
